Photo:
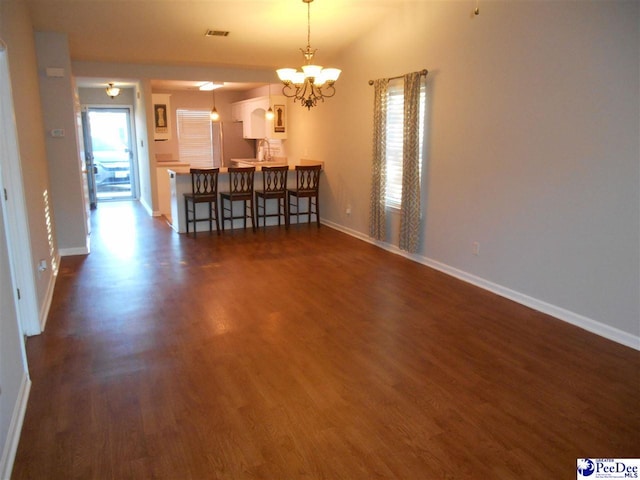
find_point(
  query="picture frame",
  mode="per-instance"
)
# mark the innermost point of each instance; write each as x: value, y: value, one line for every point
x: 160, y: 118
x: 279, y: 119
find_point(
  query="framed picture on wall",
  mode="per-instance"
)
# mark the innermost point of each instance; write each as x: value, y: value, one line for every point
x: 160, y: 114
x: 279, y: 123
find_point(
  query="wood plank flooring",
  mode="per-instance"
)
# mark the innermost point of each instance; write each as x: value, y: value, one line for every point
x: 306, y: 354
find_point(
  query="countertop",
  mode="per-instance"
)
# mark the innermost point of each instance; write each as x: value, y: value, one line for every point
x: 183, y: 168
x: 252, y: 162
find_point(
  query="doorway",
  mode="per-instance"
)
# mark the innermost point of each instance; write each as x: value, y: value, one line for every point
x: 111, y: 167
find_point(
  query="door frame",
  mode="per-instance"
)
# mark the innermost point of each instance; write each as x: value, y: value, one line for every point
x: 18, y: 238
x: 87, y: 151
x: 134, y: 175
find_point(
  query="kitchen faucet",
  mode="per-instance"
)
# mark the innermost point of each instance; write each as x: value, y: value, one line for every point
x: 268, y: 156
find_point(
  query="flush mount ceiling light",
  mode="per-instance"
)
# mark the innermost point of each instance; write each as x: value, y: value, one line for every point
x: 313, y: 83
x: 208, y: 86
x: 112, y: 91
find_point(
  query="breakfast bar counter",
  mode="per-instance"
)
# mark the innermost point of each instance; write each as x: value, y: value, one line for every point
x: 180, y: 183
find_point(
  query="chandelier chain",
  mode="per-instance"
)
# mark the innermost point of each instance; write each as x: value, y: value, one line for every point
x: 309, y: 26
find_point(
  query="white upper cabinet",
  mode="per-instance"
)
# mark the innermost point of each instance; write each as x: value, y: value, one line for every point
x: 237, y: 111
x: 252, y: 114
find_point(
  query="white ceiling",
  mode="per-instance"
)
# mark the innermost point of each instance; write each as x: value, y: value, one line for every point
x: 263, y: 33
x: 195, y: 85
x: 161, y: 84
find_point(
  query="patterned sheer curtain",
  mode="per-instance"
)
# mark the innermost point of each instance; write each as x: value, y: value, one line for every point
x: 410, y: 207
x: 377, y: 220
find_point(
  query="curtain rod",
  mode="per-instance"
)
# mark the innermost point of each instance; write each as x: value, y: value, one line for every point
x: 422, y: 72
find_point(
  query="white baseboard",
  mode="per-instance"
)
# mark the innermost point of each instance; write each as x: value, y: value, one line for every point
x: 560, y: 313
x: 593, y: 326
x: 67, y: 252
x: 150, y: 211
x: 46, y: 303
x: 15, y: 427
x: 85, y: 250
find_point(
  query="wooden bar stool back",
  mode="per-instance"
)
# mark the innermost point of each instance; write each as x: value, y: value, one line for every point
x: 307, y: 186
x: 204, y: 189
x: 240, y: 189
x: 274, y: 186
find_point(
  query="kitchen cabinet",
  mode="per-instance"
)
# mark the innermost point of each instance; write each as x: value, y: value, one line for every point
x: 237, y: 111
x: 252, y: 115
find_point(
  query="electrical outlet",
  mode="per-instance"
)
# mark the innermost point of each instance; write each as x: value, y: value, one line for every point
x: 476, y: 248
x: 348, y: 210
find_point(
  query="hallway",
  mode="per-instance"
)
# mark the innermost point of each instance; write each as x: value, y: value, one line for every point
x: 305, y: 354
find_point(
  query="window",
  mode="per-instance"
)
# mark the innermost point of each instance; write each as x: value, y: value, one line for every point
x: 395, y: 138
x: 195, y: 140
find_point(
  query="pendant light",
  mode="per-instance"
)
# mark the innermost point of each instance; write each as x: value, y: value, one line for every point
x: 214, y: 115
x: 270, y: 115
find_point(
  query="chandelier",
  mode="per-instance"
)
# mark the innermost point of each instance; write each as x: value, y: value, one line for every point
x: 313, y: 83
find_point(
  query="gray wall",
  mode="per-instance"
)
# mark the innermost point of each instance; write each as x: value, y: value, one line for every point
x: 16, y: 32
x: 61, y: 111
x: 98, y: 97
x: 532, y: 148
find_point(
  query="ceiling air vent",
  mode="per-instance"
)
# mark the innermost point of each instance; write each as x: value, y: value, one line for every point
x: 216, y: 33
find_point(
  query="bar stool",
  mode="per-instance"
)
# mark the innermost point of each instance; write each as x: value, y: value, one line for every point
x: 274, y: 186
x: 307, y: 186
x: 204, y: 189
x: 240, y: 189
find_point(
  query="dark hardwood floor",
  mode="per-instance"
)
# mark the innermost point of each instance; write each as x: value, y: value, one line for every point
x: 306, y: 354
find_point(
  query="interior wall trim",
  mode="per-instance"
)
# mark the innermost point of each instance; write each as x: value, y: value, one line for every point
x: 588, y: 324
